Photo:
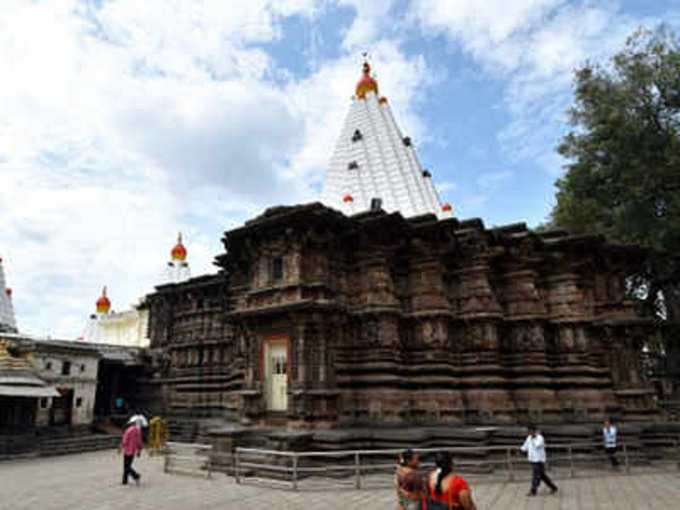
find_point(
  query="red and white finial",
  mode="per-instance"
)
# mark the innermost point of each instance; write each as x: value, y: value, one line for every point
x: 179, y: 252
x: 367, y: 83
x: 103, y: 303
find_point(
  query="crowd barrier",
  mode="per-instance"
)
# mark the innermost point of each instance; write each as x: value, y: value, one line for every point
x: 357, y: 467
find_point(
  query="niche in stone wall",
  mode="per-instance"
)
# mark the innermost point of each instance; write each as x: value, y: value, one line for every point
x: 525, y: 336
x: 407, y: 338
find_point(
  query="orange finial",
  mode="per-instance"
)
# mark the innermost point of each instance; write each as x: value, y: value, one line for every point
x: 103, y: 303
x: 366, y: 83
x: 179, y: 252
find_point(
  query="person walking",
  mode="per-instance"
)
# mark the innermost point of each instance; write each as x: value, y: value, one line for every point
x: 534, y: 447
x: 409, y: 482
x: 446, y: 490
x: 609, y: 434
x: 131, y: 445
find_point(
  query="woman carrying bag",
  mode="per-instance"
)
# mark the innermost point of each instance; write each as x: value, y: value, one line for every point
x: 446, y: 490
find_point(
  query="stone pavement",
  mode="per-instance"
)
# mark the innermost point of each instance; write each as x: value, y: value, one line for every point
x: 91, y: 481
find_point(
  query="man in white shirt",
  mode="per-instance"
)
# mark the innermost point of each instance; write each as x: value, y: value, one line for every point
x: 534, y: 447
x: 609, y: 434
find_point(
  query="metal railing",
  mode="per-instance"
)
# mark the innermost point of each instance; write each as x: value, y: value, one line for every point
x: 188, y: 458
x: 292, y: 467
x: 358, y: 468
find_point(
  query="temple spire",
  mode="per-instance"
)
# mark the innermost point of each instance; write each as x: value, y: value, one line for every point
x: 103, y: 304
x: 374, y: 160
x: 7, y: 318
x: 177, y: 269
x: 93, y: 330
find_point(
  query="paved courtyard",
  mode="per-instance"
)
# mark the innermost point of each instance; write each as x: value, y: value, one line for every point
x: 91, y: 481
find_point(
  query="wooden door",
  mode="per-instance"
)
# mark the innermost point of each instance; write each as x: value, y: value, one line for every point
x: 62, y: 408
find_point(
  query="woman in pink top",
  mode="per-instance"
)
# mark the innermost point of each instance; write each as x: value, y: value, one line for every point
x: 131, y: 445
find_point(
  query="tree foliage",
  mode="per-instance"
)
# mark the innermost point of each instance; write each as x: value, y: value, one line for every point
x: 623, y: 175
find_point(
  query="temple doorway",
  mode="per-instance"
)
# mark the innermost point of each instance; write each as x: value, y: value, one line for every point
x: 276, y: 374
x: 62, y: 408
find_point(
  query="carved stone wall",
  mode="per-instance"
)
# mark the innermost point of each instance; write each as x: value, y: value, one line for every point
x: 405, y: 322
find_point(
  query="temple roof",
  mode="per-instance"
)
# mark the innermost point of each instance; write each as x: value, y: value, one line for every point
x: 374, y: 160
x: 465, y: 234
x: 18, y: 377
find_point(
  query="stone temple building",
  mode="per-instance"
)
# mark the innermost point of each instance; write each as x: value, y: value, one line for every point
x: 385, y: 309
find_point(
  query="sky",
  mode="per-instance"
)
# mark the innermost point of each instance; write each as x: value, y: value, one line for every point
x: 123, y: 122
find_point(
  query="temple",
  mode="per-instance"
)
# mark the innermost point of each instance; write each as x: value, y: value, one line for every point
x: 7, y: 320
x: 128, y: 328
x: 393, y: 312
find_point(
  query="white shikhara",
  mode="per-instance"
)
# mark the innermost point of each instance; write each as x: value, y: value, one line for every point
x: 373, y: 159
x: 7, y: 319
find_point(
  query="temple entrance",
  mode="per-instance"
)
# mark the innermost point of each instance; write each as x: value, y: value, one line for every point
x: 276, y: 374
x: 62, y: 408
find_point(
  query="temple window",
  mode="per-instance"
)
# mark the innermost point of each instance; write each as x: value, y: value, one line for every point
x: 48, y: 365
x: 353, y: 165
x: 357, y: 135
x: 407, y: 141
x: 79, y: 402
x: 66, y: 368
x: 277, y: 269
x: 43, y: 403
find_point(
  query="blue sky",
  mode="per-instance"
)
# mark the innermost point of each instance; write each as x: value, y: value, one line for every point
x: 123, y: 122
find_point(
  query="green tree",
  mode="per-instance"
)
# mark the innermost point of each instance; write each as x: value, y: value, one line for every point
x: 623, y: 171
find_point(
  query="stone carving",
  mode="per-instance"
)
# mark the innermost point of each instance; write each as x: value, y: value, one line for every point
x: 434, y: 321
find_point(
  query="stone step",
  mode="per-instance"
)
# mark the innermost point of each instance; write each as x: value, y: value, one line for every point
x: 78, y: 444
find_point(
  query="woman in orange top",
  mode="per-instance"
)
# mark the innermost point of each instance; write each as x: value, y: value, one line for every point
x: 446, y: 490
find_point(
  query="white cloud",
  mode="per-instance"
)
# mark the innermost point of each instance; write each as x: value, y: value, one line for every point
x: 534, y: 45
x: 122, y: 124
x: 369, y: 21
x: 491, y: 31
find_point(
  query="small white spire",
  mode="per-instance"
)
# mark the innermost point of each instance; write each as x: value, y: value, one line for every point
x: 177, y: 268
x: 7, y: 319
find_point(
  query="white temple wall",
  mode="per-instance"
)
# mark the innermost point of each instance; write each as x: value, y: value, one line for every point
x: 81, y: 378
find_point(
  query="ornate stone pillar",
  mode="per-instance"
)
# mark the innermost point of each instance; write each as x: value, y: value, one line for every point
x: 623, y: 341
x: 478, y: 313
x: 426, y: 287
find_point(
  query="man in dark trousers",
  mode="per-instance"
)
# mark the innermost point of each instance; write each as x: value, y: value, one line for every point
x: 131, y: 445
x: 534, y: 447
